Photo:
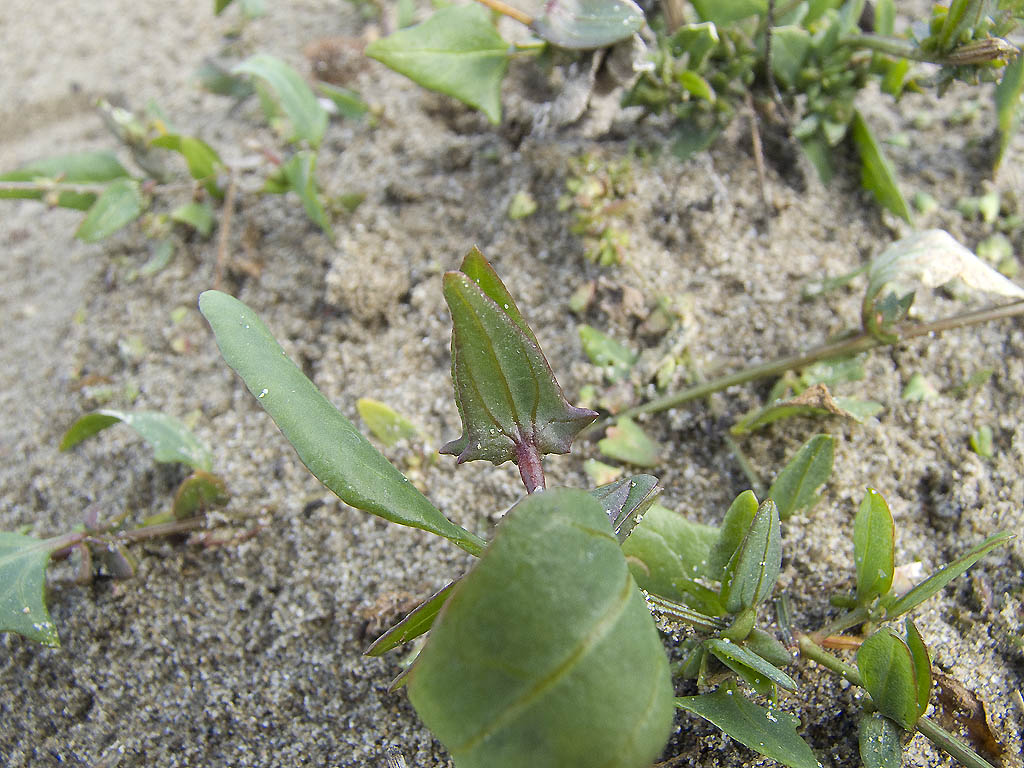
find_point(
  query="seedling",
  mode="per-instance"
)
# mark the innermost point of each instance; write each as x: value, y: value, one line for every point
x: 526, y: 651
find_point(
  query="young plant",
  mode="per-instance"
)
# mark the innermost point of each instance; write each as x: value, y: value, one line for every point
x: 96, y: 542
x: 527, y: 650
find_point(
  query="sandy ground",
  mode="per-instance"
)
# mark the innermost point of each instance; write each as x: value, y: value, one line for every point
x: 249, y: 653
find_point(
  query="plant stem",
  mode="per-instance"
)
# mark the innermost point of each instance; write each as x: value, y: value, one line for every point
x: 940, y: 737
x: 530, y: 467
x: 51, y: 186
x: 508, y: 10
x: 854, y: 345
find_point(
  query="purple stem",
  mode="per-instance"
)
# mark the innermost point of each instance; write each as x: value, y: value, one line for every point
x: 530, y: 469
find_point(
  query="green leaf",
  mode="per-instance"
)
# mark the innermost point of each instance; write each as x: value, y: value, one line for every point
x: 384, y: 422
x: 696, y: 85
x: 457, y: 51
x: 202, y: 159
x: 874, y: 537
x: 349, y: 103
x: 981, y: 442
x: 944, y: 575
x: 300, y: 177
x: 199, y: 492
x: 877, y: 174
x: 419, y: 621
x: 887, y: 672
x: 769, y: 732
x: 296, y: 99
x: 120, y: 204
x: 536, y: 643
x: 922, y: 666
x: 76, y: 168
x: 725, y: 12
x: 813, y: 401
x: 797, y: 485
x: 768, y: 648
x: 626, y: 501
x: 169, y: 438
x: 790, y: 45
x: 199, y: 216
x: 627, y: 442
x: 326, y: 442
x: 1008, y: 105
x: 23, y: 562
x: 735, y: 525
x: 880, y: 744
x: 754, y: 567
x: 735, y: 657
x: 510, y: 404
x: 587, y: 24
x: 613, y: 358
x: 665, y: 548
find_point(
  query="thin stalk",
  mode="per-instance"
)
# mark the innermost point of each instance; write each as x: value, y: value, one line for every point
x: 854, y: 345
x: 679, y: 612
x: 507, y: 10
x: 50, y: 185
x: 940, y: 737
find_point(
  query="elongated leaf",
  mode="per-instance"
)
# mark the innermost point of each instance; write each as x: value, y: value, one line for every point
x: 384, y: 422
x: 666, y: 548
x: 536, y: 643
x: 119, y: 205
x: 874, y: 536
x: 627, y: 442
x: 880, y: 745
x: 887, y: 672
x: 768, y: 648
x: 587, y: 24
x: 613, y: 358
x: 169, y: 438
x: 735, y: 525
x: 326, y: 442
x: 202, y: 159
x: 419, y: 621
x: 751, y: 573
x: 300, y: 175
x: 813, y: 401
x: 626, y: 501
x: 510, y: 404
x: 199, y: 216
x: 944, y: 575
x: 1008, y: 105
x: 922, y: 666
x: 347, y: 102
x: 877, y: 174
x: 731, y: 654
x: 23, y: 561
x: 797, y: 485
x: 76, y: 168
x: 296, y: 99
x: 457, y: 51
x: 769, y: 732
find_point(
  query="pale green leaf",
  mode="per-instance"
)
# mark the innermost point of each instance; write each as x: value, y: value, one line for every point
x: 199, y: 216
x: 169, y: 438
x: 880, y: 742
x: 296, y: 99
x: 877, y: 174
x: 96, y: 167
x: 23, y: 561
x: 119, y: 205
x: 627, y: 442
x: 300, y: 175
x: 588, y: 24
x: 384, y: 422
x: 665, y: 549
x: 1008, y: 104
x: 611, y: 356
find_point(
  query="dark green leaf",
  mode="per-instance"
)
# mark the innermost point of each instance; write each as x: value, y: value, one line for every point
x: 510, y: 404
x: 754, y: 567
x: 627, y: 442
x: 922, y: 666
x: 626, y: 501
x: 326, y: 442
x: 199, y: 216
x: 23, y: 561
x: 768, y: 648
x: 296, y: 99
x: 543, y: 646
x: 874, y: 537
x: 877, y: 174
x: 887, y: 672
x: 735, y: 525
x: 588, y: 24
x: 384, y: 422
x: 734, y: 656
x: 300, y: 175
x: 457, y: 51
x: 613, y: 358
x: 120, y: 204
x: 880, y: 745
x: 797, y: 485
x: 77, y: 168
x: 666, y: 548
x: 169, y: 438
x: 769, y: 732
x: 199, y: 492
x: 419, y: 621
x: 946, y: 574
x: 1008, y: 104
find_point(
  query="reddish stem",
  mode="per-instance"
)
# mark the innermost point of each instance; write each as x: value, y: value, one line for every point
x: 530, y: 469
